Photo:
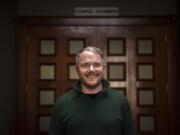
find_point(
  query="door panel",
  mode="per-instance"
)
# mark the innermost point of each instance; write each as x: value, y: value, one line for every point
x: 136, y: 66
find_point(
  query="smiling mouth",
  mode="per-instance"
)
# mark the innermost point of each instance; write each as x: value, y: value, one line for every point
x: 92, y: 76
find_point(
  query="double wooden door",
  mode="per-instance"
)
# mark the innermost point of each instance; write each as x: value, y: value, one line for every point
x: 135, y: 65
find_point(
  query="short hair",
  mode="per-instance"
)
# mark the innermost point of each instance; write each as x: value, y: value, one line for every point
x: 90, y: 49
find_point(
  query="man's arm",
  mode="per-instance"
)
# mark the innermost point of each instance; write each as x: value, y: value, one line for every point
x: 128, y: 124
x: 56, y: 127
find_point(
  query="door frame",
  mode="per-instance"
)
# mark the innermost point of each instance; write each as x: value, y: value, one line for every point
x: 171, y: 55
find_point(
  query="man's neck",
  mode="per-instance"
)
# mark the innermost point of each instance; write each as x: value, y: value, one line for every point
x: 95, y: 90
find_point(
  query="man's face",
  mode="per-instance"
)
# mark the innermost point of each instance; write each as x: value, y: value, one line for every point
x: 90, y: 69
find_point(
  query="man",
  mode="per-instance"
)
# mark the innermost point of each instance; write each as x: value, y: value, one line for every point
x: 91, y: 107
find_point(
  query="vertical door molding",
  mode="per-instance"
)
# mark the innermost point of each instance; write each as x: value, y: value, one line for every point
x: 172, y: 81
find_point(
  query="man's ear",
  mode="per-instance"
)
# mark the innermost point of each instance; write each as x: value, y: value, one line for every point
x: 77, y: 69
x: 104, y: 66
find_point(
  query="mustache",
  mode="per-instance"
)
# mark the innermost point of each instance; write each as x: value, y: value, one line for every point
x: 91, y: 73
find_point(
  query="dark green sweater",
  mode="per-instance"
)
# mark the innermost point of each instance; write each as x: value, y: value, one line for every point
x: 76, y: 113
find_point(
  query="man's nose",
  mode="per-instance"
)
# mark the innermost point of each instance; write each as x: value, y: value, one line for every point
x: 91, y: 67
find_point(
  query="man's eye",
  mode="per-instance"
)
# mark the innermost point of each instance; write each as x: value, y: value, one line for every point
x: 85, y: 65
x: 88, y: 65
x: 97, y: 65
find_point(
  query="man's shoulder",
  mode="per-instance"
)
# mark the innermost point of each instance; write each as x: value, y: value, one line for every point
x: 66, y: 97
x: 116, y: 93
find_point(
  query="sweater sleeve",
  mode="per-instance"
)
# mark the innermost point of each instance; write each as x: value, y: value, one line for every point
x: 56, y: 127
x: 128, y: 124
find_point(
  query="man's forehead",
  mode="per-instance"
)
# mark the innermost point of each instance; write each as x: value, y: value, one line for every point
x: 86, y: 53
x: 89, y: 56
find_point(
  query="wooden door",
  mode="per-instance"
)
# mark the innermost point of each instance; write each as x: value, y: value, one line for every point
x: 51, y: 69
x: 136, y: 66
